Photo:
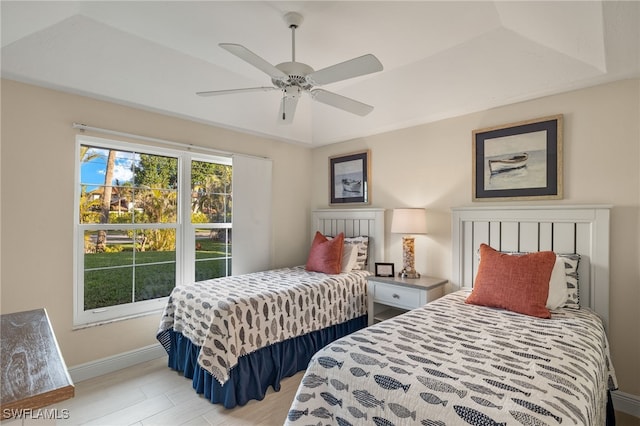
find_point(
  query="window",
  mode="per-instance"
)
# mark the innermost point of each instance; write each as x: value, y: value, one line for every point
x: 211, y: 218
x: 146, y: 218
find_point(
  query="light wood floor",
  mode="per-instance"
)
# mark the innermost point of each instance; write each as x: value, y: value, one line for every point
x: 152, y: 394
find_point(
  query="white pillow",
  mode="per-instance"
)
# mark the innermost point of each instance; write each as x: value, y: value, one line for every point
x: 557, y: 285
x: 361, y: 243
x: 350, y: 257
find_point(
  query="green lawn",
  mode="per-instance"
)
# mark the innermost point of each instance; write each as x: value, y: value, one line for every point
x: 109, y: 277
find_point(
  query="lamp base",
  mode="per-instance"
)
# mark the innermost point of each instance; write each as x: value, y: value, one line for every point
x: 408, y: 274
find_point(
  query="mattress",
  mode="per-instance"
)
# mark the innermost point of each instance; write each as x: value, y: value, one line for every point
x: 454, y: 363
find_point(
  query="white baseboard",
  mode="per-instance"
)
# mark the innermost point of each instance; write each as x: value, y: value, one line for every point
x: 626, y: 402
x: 117, y: 362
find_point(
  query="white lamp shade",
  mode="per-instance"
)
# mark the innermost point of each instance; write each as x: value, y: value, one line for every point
x: 409, y: 221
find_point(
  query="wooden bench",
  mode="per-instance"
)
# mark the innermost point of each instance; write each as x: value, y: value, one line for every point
x: 34, y: 374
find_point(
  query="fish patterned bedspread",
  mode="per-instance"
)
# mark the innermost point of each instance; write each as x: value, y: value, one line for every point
x: 233, y: 316
x: 449, y: 363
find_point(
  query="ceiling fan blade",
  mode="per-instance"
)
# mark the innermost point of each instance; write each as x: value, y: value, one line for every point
x: 230, y: 91
x: 255, y: 60
x: 341, y: 102
x: 288, y: 104
x: 356, y: 67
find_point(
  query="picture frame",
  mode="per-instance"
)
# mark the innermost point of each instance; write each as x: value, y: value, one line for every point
x: 350, y: 178
x: 385, y: 269
x: 518, y: 161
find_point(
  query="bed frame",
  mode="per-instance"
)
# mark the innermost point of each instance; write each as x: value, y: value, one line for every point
x: 563, y: 229
x: 354, y: 223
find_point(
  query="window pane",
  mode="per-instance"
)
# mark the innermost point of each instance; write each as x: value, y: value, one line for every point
x: 155, y: 272
x: 107, y: 287
x: 212, y: 251
x: 118, y: 186
x: 108, y: 242
x: 156, y: 206
x: 209, y: 269
x: 154, y: 281
x: 106, y: 177
x: 212, y: 243
x: 93, y: 164
x: 156, y: 172
x: 210, y: 192
x: 155, y: 245
x: 116, y: 262
x: 108, y: 268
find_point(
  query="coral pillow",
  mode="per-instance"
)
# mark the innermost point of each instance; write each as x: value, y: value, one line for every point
x: 326, y: 255
x: 517, y: 283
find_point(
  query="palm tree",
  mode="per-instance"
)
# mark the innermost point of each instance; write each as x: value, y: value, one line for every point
x: 101, y: 242
x: 87, y: 154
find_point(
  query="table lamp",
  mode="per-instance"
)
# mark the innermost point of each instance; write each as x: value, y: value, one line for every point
x: 409, y: 221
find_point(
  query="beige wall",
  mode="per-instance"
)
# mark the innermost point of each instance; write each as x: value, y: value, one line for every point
x: 430, y: 166
x: 37, y: 205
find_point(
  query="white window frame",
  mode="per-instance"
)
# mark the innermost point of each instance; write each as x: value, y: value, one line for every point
x: 185, y: 232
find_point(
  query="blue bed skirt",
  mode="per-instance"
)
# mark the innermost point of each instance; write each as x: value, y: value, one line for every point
x: 255, y: 372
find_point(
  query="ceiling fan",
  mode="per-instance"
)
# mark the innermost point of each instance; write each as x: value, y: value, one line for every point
x: 294, y: 78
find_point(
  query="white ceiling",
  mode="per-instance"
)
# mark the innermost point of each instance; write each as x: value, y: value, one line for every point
x: 441, y: 59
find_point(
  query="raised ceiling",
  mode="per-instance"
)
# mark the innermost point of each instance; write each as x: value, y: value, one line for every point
x: 441, y: 59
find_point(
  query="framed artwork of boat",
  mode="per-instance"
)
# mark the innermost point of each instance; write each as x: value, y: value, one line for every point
x: 350, y: 178
x: 518, y: 161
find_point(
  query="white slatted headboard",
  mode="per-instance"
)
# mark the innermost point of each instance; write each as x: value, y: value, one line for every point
x: 563, y: 229
x: 354, y: 223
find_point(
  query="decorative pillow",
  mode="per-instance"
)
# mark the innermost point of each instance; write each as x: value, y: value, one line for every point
x: 350, y: 257
x: 566, y: 284
x: 571, y: 262
x: 516, y: 283
x: 326, y: 254
x: 557, y: 285
x: 362, y: 244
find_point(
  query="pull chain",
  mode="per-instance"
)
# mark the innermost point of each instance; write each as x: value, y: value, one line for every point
x: 284, y: 96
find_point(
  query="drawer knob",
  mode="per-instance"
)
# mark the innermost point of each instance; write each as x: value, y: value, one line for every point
x: 396, y: 296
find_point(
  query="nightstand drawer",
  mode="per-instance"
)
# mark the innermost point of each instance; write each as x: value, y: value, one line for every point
x: 394, y: 295
x: 391, y: 296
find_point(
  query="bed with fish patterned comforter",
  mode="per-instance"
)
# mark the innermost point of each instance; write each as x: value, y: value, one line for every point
x: 450, y: 363
x: 234, y: 316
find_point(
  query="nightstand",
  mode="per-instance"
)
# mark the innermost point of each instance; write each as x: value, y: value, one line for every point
x: 391, y: 296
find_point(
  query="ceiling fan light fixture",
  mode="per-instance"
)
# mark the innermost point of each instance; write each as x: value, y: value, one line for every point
x: 292, y: 92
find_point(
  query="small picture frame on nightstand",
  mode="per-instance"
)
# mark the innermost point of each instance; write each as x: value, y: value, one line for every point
x: 384, y: 269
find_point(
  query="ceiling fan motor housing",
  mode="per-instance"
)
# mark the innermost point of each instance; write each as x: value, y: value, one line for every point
x: 296, y: 72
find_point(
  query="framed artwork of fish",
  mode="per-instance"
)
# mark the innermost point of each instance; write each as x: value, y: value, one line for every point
x: 518, y: 161
x: 350, y: 178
